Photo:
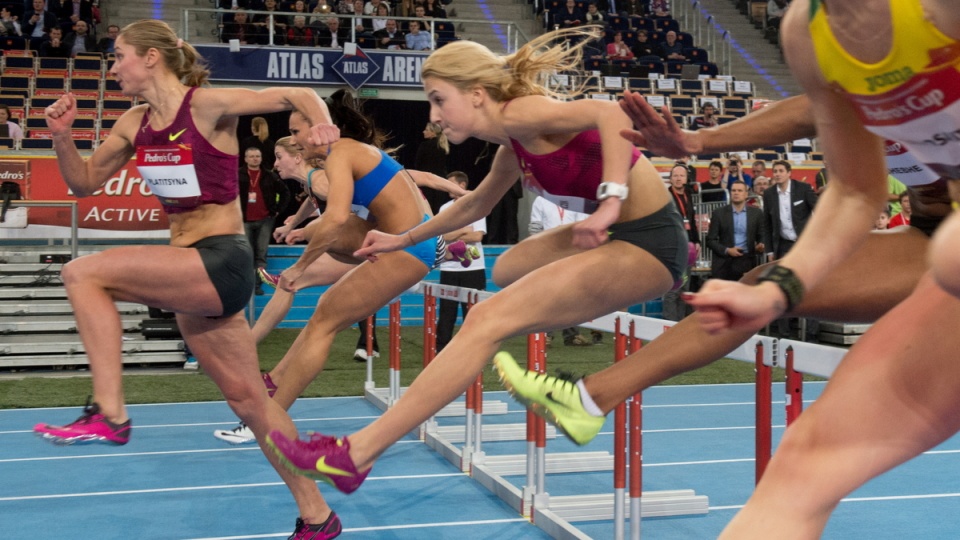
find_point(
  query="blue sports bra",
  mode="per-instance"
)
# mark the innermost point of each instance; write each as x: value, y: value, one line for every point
x: 366, y: 189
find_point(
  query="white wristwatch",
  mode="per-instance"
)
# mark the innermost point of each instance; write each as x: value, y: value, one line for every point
x: 612, y: 189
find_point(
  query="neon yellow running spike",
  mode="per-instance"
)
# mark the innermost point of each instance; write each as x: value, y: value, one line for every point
x: 556, y: 400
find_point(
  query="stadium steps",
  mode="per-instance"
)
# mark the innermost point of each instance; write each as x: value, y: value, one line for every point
x: 499, y: 10
x: 203, y: 26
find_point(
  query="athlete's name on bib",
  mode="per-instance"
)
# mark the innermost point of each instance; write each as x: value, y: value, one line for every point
x: 167, y: 181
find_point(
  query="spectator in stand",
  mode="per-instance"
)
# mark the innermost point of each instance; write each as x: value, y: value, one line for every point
x: 332, y: 35
x: 569, y: 17
x: 895, y: 188
x: 903, y: 218
x: 6, y: 117
x: 453, y: 272
x: 759, y: 168
x: 262, y: 197
x: 660, y: 8
x: 713, y: 189
x: 54, y: 47
x: 775, y: 11
x: 300, y: 35
x: 280, y: 23
x: 241, y: 29
x: 736, y: 235
x: 390, y: 37
x: 680, y: 190
x: 671, y: 49
x: 9, y: 26
x: 593, y: 15
x: 420, y: 12
x: 260, y: 138
x: 69, y: 12
x: 105, y: 45
x: 371, y: 7
x: 432, y: 158
x: 760, y: 185
x: 406, y: 8
x: 707, y: 119
x: 883, y: 220
x: 37, y: 24
x: 380, y: 21
x: 617, y: 49
x: 643, y: 50
x: 434, y: 9
x: 417, y: 40
x: 299, y: 7
x: 735, y: 172
x: 80, y: 40
x: 632, y: 7
x: 360, y: 24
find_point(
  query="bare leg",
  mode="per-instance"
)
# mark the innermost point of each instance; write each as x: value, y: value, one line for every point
x: 893, y: 397
x: 226, y: 351
x: 361, y: 292
x: 874, y: 279
x: 557, y: 295
x: 324, y: 271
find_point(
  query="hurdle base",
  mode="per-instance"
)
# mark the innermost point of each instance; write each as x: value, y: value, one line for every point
x: 380, y: 398
x: 560, y: 462
x: 599, y: 507
x: 491, y: 432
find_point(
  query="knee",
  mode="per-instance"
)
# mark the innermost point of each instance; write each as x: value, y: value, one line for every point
x: 74, y: 272
x: 945, y: 256
x: 247, y: 401
x: 503, y: 273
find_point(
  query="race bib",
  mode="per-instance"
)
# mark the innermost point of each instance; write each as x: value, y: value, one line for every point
x: 170, y: 174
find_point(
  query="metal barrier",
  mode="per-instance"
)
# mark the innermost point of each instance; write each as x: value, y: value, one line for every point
x: 74, y: 217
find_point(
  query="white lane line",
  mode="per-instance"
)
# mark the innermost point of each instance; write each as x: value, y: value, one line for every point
x: 383, y: 528
x: 865, y: 499
x: 208, y: 488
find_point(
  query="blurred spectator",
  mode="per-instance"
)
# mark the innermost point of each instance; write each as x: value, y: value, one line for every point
x: 105, y: 45
x: 432, y: 158
x: 54, y: 47
x: 80, y: 40
x: 332, y: 35
x: 360, y: 24
x: 241, y: 29
x: 260, y: 139
x: 390, y: 37
x: 713, y: 189
x: 759, y: 168
x: 735, y: 172
x: 371, y: 7
x: 262, y: 196
x: 280, y: 23
x: 643, y: 48
x: 593, y: 15
x: 894, y: 189
x: 6, y: 117
x: 903, y: 217
x: 417, y: 40
x: 883, y: 220
x: 69, y: 12
x: 660, y: 8
x: 569, y: 16
x: 9, y: 26
x: 434, y: 9
x: 300, y: 35
x: 707, y: 119
x: 420, y: 12
x: 671, y: 49
x: 632, y: 7
x: 379, y: 22
x: 617, y: 49
x: 37, y: 24
x: 775, y: 12
x: 406, y: 8
x: 760, y: 184
x: 299, y: 7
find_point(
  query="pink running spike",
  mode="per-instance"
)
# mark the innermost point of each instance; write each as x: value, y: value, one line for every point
x: 268, y: 382
x: 92, y: 426
x: 331, y: 528
x: 267, y: 278
x: 321, y: 458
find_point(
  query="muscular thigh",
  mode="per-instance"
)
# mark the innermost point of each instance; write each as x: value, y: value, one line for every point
x: 534, y: 252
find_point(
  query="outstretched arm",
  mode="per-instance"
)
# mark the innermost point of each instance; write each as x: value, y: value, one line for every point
x: 432, y: 181
x: 779, y: 122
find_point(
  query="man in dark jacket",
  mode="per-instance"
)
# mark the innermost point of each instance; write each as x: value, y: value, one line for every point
x: 736, y: 235
x: 80, y: 40
x: 37, y: 24
x: 783, y: 227
x: 262, y: 197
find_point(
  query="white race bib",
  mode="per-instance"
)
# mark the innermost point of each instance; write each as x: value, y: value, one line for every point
x: 170, y: 174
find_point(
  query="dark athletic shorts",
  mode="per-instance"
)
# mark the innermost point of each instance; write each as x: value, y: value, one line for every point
x: 661, y: 234
x: 228, y: 260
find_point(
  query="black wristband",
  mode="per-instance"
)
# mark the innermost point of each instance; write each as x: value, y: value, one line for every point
x: 788, y: 282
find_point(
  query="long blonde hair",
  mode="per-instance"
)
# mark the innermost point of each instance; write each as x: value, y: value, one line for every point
x: 467, y: 64
x: 442, y: 140
x: 179, y: 56
x: 260, y: 128
x: 291, y: 147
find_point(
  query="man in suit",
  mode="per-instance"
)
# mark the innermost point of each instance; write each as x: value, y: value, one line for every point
x: 37, y: 24
x: 787, y: 205
x: 332, y: 35
x: 736, y: 235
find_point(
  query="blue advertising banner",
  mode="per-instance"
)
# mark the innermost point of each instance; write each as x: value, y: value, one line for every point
x: 294, y: 65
